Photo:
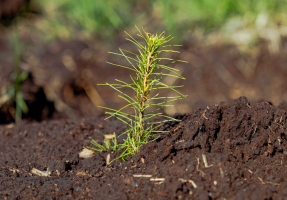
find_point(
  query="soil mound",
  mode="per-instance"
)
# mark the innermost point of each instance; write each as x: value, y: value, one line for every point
x: 225, y: 151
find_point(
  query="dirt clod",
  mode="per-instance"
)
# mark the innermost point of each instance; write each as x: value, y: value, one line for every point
x: 227, y: 151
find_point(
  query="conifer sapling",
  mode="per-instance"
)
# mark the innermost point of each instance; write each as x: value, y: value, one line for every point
x: 149, y: 70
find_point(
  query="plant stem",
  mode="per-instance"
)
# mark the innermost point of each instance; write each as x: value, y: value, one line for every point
x: 144, y: 95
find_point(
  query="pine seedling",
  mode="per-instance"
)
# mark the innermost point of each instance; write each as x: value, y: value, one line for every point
x: 149, y: 71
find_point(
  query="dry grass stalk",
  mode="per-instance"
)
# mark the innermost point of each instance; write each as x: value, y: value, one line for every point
x: 41, y: 173
x: 188, y: 181
x: 205, y: 161
x: 110, y: 136
x: 277, y: 184
x: 197, y: 167
x: 141, y: 176
x: 108, y: 159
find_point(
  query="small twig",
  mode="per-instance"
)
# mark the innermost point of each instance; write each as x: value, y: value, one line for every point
x: 141, y: 176
x: 41, y: 173
x: 176, y: 128
x: 203, y: 115
x: 14, y: 170
x: 197, y: 167
x: 205, y: 161
x: 189, y: 181
x: 157, y: 179
x: 158, y: 183
x: 108, y: 159
x: 277, y: 184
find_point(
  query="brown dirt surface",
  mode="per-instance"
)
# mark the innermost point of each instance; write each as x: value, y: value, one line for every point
x: 224, y: 151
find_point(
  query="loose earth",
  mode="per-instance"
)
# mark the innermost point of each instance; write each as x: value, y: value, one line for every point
x: 224, y: 151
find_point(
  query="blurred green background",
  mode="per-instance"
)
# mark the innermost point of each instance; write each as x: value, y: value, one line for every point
x: 233, y: 48
x: 106, y: 19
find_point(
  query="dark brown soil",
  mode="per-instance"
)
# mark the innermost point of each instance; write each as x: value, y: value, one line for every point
x: 244, y: 146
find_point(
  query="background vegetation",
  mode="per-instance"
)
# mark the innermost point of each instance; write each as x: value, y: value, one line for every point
x: 107, y: 18
x: 63, y: 39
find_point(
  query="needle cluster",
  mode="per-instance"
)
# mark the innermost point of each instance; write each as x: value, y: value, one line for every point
x: 149, y: 71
